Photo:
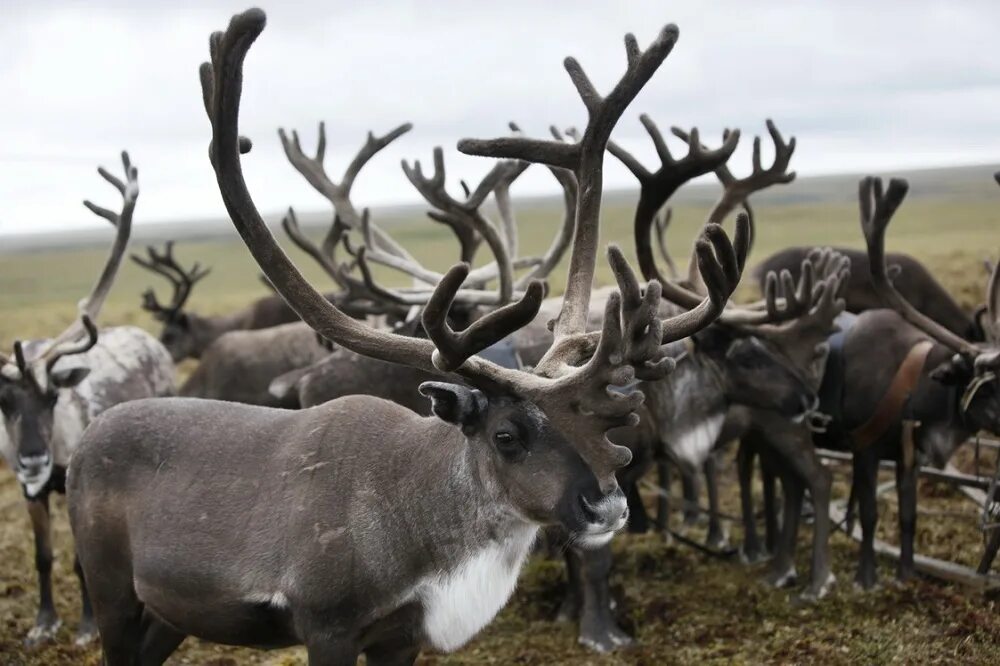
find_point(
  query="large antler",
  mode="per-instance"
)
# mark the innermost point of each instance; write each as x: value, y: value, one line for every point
x: 657, y: 187
x: 339, y: 194
x: 877, y: 208
x: 736, y: 191
x: 182, y: 280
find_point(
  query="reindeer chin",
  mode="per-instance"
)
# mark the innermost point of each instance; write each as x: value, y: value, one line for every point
x: 34, y: 481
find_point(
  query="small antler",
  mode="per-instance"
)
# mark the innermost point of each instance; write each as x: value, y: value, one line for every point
x: 183, y: 281
x: 877, y: 208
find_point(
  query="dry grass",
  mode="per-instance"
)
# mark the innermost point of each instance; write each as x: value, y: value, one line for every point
x: 681, y: 606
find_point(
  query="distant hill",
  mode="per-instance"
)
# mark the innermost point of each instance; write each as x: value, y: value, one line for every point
x: 952, y: 183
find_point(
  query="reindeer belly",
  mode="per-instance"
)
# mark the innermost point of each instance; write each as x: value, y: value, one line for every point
x: 458, y: 603
x: 262, y: 621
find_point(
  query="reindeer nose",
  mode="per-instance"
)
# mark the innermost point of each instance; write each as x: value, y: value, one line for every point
x: 34, y: 461
x: 609, y: 510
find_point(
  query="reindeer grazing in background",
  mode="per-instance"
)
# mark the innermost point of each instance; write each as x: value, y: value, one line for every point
x: 50, y: 390
x: 273, y: 528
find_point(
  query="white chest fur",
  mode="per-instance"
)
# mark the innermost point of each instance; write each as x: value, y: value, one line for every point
x: 460, y: 602
x: 693, y: 445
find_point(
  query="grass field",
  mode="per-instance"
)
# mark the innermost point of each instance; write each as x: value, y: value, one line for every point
x: 681, y: 606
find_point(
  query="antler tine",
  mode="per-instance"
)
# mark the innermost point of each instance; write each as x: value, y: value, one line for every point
x: 662, y: 223
x: 585, y: 158
x: 453, y: 349
x: 339, y: 195
x: 657, y: 187
x: 877, y: 209
x: 122, y: 221
x: 70, y: 348
x: 290, y: 224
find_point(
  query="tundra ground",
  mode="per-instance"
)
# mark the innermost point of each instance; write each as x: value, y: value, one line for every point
x: 682, y: 606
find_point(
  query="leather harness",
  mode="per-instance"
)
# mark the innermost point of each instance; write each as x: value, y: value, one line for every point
x: 892, y: 403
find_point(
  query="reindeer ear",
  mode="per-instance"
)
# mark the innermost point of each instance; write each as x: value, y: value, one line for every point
x: 953, y: 372
x: 456, y: 404
x: 68, y: 378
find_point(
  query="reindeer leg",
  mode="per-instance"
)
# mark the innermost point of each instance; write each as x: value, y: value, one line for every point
x: 782, y: 572
x: 819, y: 480
x: 752, y: 551
x: 86, y: 633
x: 598, y: 629
x: 569, y: 609
x: 392, y: 653
x: 906, y: 489
x: 663, y: 499
x: 158, y: 641
x: 716, y: 536
x: 772, y: 527
x: 47, y: 621
x: 689, y: 486
x: 638, y: 522
x: 327, y: 650
x: 865, y: 477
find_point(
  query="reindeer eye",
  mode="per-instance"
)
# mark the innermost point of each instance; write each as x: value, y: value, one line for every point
x: 509, y: 444
x: 503, y: 439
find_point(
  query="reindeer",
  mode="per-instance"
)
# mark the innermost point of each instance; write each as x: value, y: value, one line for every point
x: 736, y: 391
x: 912, y: 279
x: 426, y: 538
x: 50, y: 390
x: 918, y: 389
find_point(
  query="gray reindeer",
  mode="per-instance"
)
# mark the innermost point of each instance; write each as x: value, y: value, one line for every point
x: 253, y: 526
x: 51, y: 390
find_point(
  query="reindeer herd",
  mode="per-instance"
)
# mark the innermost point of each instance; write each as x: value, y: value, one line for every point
x: 365, y: 471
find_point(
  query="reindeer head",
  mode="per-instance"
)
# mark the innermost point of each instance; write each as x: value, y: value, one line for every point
x: 178, y: 334
x: 543, y: 433
x: 29, y: 392
x: 975, y: 366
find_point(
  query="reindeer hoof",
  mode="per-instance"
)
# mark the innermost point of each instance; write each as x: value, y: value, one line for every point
x: 782, y: 579
x: 43, y: 632
x: 605, y: 640
x: 815, y: 593
x: 86, y: 634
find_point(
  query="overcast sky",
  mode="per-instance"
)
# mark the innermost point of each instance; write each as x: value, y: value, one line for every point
x: 864, y: 86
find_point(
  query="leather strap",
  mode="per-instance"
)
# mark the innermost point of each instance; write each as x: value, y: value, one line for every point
x: 891, y: 404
